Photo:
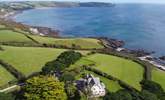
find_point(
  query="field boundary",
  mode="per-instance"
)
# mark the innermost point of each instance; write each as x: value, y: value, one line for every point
x: 110, y: 77
x: 18, y: 75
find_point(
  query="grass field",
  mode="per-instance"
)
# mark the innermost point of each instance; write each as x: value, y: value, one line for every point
x: 159, y: 76
x: 29, y: 59
x: 125, y: 70
x: 10, y: 36
x: 85, y: 43
x: 2, y: 26
x: 5, y: 76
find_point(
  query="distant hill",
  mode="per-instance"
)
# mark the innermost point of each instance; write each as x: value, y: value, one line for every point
x: 37, y: 4
x: 95, y: 4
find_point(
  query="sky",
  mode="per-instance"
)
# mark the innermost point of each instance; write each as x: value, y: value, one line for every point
x: 113, y: 1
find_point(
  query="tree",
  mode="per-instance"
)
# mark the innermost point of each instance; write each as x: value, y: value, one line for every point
x: 148, y: 95
x: 63, y: 61
x: 53, y: 66
x: 4, y: 96
x: 71, y: 90
x: 44, y: 88
x: 68, y: 76
x: 154, y: 88
x: 119, y: 95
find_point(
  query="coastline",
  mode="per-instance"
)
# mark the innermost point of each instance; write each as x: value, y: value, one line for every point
x: 109, y: 43
x: 42, y: 31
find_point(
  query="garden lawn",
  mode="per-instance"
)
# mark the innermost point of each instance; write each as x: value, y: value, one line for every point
x: 110, y: 85
x: 29, y: 59
x: 159, y: 77
x: 11, y: 36
x: 84, y: 43
x: 5, y: 76
x: 123, y: 69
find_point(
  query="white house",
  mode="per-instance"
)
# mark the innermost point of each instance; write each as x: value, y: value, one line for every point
x: 34, y: 30
x: 96, y: 87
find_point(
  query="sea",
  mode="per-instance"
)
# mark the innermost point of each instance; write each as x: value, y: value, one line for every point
x: 141, y: 26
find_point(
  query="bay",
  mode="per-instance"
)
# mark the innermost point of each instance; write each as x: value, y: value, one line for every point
x: 141, y: 26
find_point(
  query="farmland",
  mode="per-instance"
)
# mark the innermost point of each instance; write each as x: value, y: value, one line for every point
x: 29, y: 59
x: 5, y: 76
x: 84, y: 43
x: 11, y: 36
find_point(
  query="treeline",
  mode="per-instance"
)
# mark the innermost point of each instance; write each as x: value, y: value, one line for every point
x: 12, y: 70
x: 63, y: 61
x: 1, y: 48
x: 21, y: 44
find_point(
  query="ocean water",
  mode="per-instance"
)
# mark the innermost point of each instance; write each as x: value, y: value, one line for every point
x: 139, y: 25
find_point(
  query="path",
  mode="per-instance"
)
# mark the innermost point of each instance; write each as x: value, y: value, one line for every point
x: 6, y: 89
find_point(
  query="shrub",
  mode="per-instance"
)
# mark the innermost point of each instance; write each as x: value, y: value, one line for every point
x: 5, y: 96
x: 119, y: 95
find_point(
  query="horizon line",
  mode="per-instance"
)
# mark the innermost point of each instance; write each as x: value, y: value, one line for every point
x: 83, y: 1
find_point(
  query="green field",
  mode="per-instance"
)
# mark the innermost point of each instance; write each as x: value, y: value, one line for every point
x: 2, y: 26
x: 10, y: 36
x: 125, y: 70
x: 29, y: 59
x: 159, y: 76
x: 85, y: 43
x: 5, y: 76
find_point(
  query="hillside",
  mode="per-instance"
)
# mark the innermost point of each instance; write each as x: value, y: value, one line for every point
x: 38, y: 4
x: 24, y: 55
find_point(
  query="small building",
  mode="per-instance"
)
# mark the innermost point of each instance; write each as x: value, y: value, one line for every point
x: 34, y: 30
x: 97, y: 88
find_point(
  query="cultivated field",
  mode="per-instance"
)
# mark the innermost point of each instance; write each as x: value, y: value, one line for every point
x: 11, y: 36
x: 125, y: 70
x: 84, y: 43
x: 159, y: 77
x: 5, y: 76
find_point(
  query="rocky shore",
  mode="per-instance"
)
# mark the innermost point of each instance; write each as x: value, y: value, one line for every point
x: 111, y: 43
x: 162, y: 58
